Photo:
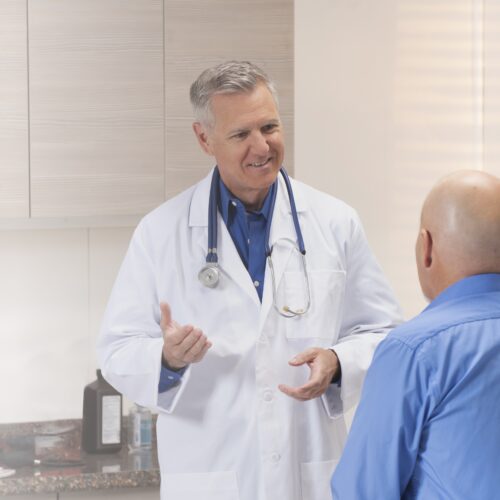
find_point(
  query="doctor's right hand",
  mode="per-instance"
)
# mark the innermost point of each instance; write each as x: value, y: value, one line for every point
x: 182, y: 345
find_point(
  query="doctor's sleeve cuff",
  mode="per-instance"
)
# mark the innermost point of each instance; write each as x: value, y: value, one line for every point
x: 169, y: 379
x: 355, y: 355
x: 337, y: 378
x: 332, y: 401
x: 167, y: 400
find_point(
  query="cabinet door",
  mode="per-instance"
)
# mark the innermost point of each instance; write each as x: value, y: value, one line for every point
x: 96, y: 106
x: 125, y: 493
x: 14, y: 168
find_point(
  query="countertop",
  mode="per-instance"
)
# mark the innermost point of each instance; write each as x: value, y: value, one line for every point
x: 96, y: 472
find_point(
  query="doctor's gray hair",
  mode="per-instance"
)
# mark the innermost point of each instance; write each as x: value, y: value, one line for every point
x: 231, y: 77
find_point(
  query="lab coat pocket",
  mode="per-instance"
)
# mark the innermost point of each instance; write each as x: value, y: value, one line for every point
x: 322, y: 320
x: 206, y: 486
x: 315, y: 478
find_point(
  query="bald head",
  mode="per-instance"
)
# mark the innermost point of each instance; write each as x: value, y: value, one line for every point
x: 459, y: 231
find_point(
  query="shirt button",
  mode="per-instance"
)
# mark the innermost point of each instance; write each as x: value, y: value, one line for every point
x: 268, y: 395
x: 233, y: 203
x: 256, y: 283
x: 275, y: 457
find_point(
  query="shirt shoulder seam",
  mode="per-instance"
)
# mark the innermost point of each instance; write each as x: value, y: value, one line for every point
x: 434, y: 333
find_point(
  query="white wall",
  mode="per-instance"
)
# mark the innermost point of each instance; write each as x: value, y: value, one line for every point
x: 388, y: 98
x: 53, y: 289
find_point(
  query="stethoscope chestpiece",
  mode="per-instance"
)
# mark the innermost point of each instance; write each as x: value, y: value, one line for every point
x: 209, y: 275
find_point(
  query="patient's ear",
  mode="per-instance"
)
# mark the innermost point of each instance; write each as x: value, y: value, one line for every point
x: 427, y: 247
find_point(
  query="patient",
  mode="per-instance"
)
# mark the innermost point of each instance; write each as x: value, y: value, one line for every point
x: 428, y: 424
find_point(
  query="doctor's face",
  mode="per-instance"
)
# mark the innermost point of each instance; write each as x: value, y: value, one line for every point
x: 246, y: 140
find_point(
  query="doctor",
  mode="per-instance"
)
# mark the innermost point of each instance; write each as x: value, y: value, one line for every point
x: 246, y: 312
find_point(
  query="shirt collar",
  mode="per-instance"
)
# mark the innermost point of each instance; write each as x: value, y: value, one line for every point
x: 227, y: 199
x: 472, y: 285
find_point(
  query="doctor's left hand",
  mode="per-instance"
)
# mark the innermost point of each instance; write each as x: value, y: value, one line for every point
x: 182, y: 345
x: 324, y: 365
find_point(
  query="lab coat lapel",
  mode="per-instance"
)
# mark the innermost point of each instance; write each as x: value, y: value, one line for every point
x: 281, y: 239
x: 230, y: 261
x: 198, y: 219
x: 231, y: 264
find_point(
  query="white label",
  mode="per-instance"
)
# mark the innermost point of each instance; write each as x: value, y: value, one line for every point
x: 110, y: 468
x: 111, y: 419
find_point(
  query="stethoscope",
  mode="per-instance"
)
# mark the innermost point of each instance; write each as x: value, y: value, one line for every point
x: 210, y: 273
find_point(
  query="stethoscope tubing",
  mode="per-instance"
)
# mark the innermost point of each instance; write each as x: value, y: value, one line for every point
x: 295, y: 218
x: 212, y: 219
x: 212, y: 257
x: 209, y: 275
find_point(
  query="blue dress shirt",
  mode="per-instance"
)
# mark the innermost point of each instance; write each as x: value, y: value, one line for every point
x: 248, y: 232
x: 428, y: 424
x: 169, y: 378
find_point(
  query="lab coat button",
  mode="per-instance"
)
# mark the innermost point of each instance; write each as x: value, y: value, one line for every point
x: 268, y: 395
x: 275, y: 457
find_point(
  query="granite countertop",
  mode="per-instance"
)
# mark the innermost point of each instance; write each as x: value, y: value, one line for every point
x: 88, y: 472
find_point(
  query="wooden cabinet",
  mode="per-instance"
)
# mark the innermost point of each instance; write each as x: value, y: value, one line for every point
x: 96, y: 106
x: 94, y: 97
x: 14, y: 161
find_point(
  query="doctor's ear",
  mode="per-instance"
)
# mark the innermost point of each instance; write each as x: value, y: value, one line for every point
x: 201, y: 133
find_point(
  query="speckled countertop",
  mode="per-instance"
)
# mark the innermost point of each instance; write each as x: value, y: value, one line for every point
x: 92, y: 472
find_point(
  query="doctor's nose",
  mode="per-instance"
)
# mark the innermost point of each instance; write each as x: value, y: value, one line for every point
x: 259, y: 145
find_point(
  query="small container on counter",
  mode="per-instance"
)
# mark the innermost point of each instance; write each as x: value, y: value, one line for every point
x: 140, y: 428
x: 56, y: 441
x: 102, y: 417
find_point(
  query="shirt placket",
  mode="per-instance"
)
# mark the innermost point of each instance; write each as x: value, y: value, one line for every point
x: 256, y: 257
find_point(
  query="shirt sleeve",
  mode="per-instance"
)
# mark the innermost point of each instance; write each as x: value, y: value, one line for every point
x: 383, y: 443
x: 169, y: 379
x: 370, y: 311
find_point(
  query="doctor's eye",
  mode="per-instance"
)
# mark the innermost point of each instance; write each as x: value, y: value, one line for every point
x: 270, y: 127
x: 240, y: 135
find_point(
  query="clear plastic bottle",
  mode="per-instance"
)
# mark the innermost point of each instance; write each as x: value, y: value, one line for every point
x: 140, y: 428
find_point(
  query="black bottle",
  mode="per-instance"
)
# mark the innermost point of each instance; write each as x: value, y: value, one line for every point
x: 102, y: 417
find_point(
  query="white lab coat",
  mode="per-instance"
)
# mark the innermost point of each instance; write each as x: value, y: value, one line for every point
x: 226, y: 432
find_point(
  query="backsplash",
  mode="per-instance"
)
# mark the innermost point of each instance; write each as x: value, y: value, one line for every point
x: 54, y: 287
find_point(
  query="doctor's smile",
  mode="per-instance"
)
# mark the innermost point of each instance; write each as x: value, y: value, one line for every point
x: 258, y: 165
